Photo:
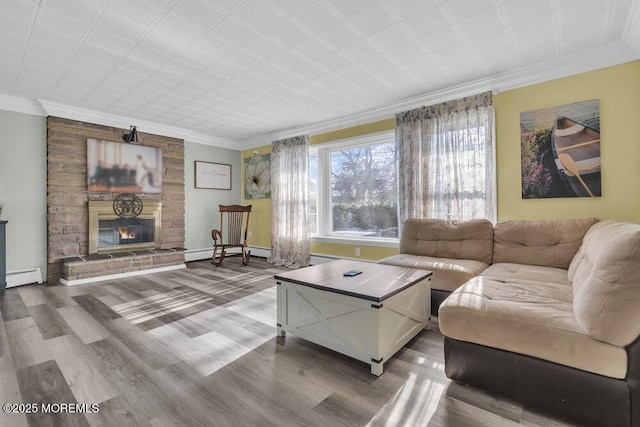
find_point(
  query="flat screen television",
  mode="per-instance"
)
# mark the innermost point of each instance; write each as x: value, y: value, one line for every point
x: 123, y: 167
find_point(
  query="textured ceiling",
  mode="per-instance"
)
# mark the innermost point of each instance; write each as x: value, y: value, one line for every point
x: 240, y: 68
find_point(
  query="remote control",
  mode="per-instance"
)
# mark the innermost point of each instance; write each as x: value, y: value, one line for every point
x: 352, y: 273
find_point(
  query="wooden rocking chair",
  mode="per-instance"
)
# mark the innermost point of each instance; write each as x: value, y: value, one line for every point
x: 235, y: 231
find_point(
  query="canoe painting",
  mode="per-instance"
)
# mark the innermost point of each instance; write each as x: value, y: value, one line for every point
x: 560, y: 151
x: 576, y: 148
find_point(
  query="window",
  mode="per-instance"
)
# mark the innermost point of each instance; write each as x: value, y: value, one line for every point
x: 354, y: 188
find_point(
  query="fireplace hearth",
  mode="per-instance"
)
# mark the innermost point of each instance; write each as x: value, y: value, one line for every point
x: 109, y: 233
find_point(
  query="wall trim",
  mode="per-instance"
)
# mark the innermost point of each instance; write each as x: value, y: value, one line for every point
x: 198, y: 254
x: 91, y: 116
x: 24, y: 277
x: 120, y: 275
x: 202, y: 254
x: 21, y: 105
x: 611, y: 54
x: 263, y: 252
x: 614, y: 53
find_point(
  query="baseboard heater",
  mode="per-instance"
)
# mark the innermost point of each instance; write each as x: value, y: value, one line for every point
x: 261, y: 252
x: 23, y: 277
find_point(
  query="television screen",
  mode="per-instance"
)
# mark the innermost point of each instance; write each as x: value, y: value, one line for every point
x: 123, y: 167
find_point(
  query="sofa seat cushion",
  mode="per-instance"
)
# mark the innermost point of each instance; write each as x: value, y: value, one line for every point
x: 523, y: 273
x: 535, y: 320
x: 448, y: 274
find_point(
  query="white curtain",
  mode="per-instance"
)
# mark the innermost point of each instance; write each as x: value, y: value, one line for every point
x: 290, y: 244
x: 446, y: 156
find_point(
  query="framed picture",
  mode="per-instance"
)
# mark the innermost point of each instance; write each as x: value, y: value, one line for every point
x: 123, y: 167
x: 257, y: 176
x: 560, y: 151
x: 216, y: 176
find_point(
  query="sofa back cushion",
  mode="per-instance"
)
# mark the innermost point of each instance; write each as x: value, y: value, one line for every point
x: 549, y: 243
x: 605, y: 275
x: 471, y: 240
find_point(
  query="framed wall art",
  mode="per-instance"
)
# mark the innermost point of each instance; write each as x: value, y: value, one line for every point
x: 121, y: 167
x: 560, y: 151
x: 213, y: 176
x: 257, y: 176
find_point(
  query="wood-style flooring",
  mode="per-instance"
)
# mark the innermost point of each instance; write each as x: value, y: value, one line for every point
x: 198, y: 347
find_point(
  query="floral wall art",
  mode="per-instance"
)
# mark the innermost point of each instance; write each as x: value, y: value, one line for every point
x: 560, y: 151
x: 257, y: 176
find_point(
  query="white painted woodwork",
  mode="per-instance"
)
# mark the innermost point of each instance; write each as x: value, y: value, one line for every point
x: 222, y: 72
x: 365, y: 330
x: 23, y: 277
x: 120, y: 275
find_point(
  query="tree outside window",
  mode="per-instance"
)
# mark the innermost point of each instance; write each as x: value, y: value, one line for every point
x: 361, y: 196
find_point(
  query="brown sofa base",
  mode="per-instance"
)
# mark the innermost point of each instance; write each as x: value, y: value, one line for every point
x: 437, y: 297
x: 558, y: 390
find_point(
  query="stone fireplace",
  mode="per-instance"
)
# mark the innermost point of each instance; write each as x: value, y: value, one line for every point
x: 109, y: 233
x: 86, y: 241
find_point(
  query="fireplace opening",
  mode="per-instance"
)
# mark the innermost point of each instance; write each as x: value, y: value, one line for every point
x: 115, y: 232
x: 110, y: 233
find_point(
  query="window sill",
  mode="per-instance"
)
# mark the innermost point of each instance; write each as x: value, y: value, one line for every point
x: 383, y: 243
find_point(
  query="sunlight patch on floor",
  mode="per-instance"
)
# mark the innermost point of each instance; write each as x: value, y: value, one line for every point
x: 154, y: 306
x: 261, y: 306
x: 413, y: 404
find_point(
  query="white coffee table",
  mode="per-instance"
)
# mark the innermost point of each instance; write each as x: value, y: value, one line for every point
x: 368, y: 317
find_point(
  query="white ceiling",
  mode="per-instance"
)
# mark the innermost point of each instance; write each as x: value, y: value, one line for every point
x: 236, y: 69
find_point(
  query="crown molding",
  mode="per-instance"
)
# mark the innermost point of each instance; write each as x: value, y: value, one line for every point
x: 604, y: 56
x: 21, y: 105
x: 42, y: 107
x: 625, y: 50
x: 107, y: 119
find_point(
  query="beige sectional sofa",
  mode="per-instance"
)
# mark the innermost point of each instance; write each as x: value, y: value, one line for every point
x: 455, y: 251
x: 552, y: 320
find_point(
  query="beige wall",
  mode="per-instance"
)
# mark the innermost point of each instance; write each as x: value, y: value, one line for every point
x: 618, y: 89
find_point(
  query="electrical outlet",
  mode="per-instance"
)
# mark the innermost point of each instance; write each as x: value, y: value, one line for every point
x: 249, y: 233
x: 357, y: 251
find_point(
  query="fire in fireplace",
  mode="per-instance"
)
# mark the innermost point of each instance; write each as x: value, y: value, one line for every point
x: 114, y: 232
x: 126, y: 235
x: 110, y: 233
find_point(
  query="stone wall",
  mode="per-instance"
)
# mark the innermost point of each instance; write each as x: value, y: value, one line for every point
x: 67, y: 195
x: 86, y: 267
